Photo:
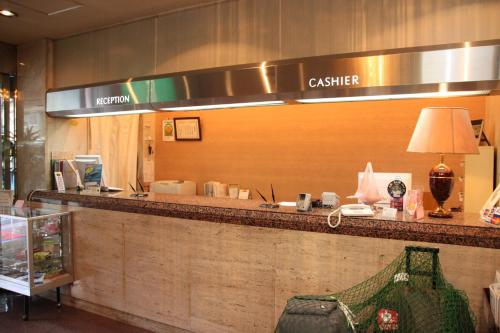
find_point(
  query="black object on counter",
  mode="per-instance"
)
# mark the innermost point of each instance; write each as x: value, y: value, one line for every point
x: 316, y: 203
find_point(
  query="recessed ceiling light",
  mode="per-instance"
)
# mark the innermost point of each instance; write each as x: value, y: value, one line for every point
x: 8, y: 13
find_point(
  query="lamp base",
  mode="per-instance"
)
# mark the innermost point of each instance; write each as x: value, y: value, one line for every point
x: 441, y: 179
x: 441, y: 213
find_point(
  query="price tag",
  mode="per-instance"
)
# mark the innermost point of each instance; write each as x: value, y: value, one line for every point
x: 389, y: 213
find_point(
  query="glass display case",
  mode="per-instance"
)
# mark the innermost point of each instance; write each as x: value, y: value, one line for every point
x: 35, y: 250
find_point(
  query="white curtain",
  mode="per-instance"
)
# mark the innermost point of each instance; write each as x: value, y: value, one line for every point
x: 116, y: 139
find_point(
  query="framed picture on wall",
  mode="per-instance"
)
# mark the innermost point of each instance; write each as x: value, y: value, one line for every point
x: 168, y: 132
x: 187, y: 129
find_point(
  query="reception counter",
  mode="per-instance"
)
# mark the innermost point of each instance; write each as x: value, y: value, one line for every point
x: 194, y: 264
x: 462, y: 229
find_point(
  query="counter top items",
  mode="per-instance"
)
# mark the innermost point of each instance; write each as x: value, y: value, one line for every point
x: 59, y: 181
x: 183, y: 187
x: 367, y: 191
x: 233, y: 190
x: 244, y: 194
x: 330, y: 200
x: 208, y: 188
x: 415, y: 204
x: 69, y: 171
x: 443, y: 130
x: 35, y: 251
x: 267, y: 205
x: 397, y: 191
x: 304, y: 203
x: 490, y: 213
x: 359, y: 210
x: 92, y: 177
x: 221, y: 190
x: 389, y: 213
x: 463, y: 229
x: 137, y: 194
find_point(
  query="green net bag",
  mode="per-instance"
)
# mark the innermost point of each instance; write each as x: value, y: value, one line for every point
x: 409, y: 295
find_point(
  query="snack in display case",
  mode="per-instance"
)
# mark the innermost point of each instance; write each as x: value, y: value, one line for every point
x: 35, y: 250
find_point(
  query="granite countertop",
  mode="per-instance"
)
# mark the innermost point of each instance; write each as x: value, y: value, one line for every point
x: 462, y: 229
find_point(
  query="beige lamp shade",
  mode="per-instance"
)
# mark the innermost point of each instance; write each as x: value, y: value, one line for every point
x: 444, y: 130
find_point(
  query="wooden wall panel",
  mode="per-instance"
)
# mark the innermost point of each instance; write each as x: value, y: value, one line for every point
x: 215, y: 277
x: 304, y: 148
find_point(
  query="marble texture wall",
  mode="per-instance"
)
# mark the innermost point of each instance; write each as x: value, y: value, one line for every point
x: 33, y: 81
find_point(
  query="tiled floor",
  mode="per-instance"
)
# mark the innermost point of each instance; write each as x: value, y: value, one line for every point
x: 45, y: 317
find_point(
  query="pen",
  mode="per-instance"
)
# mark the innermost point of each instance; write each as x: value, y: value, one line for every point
x: 263, y: 197
x: 139, y: 182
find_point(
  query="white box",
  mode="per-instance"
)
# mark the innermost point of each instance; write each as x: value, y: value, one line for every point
x: 183, y: 187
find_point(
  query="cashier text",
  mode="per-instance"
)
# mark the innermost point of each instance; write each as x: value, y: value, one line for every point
x: 334, y: 81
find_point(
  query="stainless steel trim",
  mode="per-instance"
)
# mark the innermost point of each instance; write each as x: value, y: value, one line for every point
x: 454, y: 67
x: 130, y: 95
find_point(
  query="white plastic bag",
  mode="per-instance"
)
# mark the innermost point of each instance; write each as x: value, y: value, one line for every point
x: 367, y: 192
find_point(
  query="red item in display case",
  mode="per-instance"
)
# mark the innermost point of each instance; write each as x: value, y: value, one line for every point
x: 9, y: 235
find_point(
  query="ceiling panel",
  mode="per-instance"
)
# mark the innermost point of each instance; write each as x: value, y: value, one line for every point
x: 45, y: 7
x: 34, y: 22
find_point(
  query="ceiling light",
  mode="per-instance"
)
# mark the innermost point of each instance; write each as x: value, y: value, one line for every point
x: 398, y: 96
x: 8, y: 13
x: 221, y: 106
x: 102, y: 114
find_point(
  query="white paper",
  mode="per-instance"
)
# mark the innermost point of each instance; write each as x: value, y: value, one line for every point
x: 148, y: 170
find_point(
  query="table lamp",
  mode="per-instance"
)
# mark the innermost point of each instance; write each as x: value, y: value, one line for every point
x: 443, y: 130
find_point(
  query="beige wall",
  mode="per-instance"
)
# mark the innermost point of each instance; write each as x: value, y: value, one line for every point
x: 305, y: 148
